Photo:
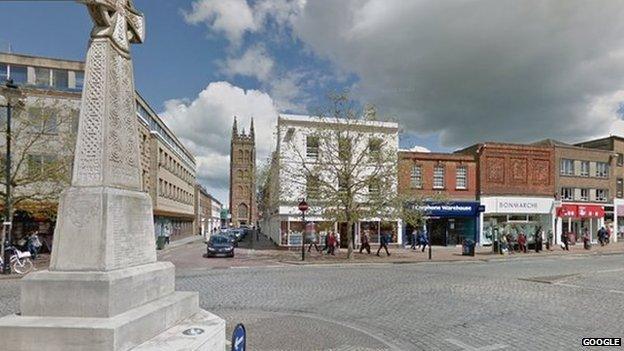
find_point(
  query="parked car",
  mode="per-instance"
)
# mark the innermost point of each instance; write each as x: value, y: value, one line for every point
x: 231, y: 235
x: 219, y: 245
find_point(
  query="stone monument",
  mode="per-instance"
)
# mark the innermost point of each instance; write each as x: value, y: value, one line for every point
x: 104, y: 289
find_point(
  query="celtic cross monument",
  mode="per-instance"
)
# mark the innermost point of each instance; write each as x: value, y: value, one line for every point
x: 104, y: 289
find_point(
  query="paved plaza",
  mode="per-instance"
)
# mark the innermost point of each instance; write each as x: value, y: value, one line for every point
x: 538, y: 303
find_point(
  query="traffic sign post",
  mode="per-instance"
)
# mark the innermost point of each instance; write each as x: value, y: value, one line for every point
x: 303, y: 207
x: 239, y: 338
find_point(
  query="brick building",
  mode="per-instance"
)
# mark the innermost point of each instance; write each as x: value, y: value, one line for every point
x: 584, y: 184
x: 516, y: 184
x: 445, y: 187
x: 615, y: 213
x: 243, y: 177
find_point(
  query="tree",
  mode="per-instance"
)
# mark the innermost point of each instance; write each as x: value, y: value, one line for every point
x: 43, y: 134
x: 348, y: 168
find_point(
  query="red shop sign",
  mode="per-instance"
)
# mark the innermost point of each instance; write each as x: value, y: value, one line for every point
x: 567, y: 211
x: 581, y: 211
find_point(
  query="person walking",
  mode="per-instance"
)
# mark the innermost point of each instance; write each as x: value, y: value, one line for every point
x: 415, y: 234
x: 34, y: 244
x: 549, y: 238
x: 503, y: 244
x: 510, y: 244
x: 602, y: 236
x: 424, y: 239
x: 586, y: 239
x: 522, y: 243
x: 383, y: 243
x: 365, y: 245
x: 313, y: 242
x: 564, y: 240
x: 331, y: 243
x: 538, y: 239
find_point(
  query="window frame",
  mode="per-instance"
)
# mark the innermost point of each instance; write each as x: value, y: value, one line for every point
x: 419, y: 177
x: 437, y: 186
x: 458, y: 177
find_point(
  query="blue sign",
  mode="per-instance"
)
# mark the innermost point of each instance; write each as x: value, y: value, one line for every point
x: 239, y: 338
x: 449, y: 209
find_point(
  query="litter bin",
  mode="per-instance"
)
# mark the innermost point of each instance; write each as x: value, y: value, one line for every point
x: 468, y: 248
x: 160, y: 242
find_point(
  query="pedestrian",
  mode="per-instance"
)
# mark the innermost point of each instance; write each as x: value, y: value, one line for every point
x: 538, y: 239
x: 586, y: 239
x: 602, y: 236
x: 331, y: 243
x: 510, y: 244
x: 564, y: 240
x: 313, y: 242
x: 415, y: 234
x: 522, y: 243
x: 383, y: 243
x: 365, y: 245
x: 34, y: 244
x: 503, y: 244
x: 424, y: 240
x: 549, y: 238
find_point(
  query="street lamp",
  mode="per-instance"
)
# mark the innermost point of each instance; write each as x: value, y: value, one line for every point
x: 303, y: 207
x: 11, y: 93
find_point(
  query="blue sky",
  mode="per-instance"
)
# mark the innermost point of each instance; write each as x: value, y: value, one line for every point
x: 452, y: 73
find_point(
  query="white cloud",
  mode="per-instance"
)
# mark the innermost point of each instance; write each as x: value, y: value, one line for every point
x: 204, y: 125
x: 476, y: 70
x: 254, y: 62
x: 231, y: 17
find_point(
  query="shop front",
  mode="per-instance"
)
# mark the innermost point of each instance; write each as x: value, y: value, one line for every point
x: 512, y: 216
x: 618, y: 220
x: 449, y: 223
x: 573, y: 220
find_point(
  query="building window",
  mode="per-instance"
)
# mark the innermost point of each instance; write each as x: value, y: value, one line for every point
x: 438, y: 177
x: 584, y: 168
x: 344, y: 149
x: 4, y: 72
x: 619, y: 188
x: 242, y: 211
x: 43, y: 119
x: 602, y: 195
x: 19, y: 74
x: 374, y: 146
x: 567, y: 167
x: 312, y: 187
x: 584, y: 195
x: 60, y: 79
x: 620, y: 159
x: 79, y: 80
x: 42, y: 76
x: 41, y: 165
x: 461, y: 178
x: 312, y: 147
x: 416, y: 177
x: 567, y: 194
x: 602, y: 170
x: 373, y: 189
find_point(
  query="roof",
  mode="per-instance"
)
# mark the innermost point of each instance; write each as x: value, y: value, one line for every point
x: 314, y: 120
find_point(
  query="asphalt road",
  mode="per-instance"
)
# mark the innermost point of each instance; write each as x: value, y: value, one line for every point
x: 522, y: 304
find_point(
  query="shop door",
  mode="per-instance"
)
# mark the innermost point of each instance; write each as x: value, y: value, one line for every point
x: 437, y: 231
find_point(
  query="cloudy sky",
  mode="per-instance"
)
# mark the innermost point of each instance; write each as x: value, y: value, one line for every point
x: 451, y: 72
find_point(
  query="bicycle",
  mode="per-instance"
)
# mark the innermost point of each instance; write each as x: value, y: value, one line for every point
x: 20, y: 261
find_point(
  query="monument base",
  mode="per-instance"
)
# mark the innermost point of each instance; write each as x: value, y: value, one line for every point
x: 164, y: 318
x: 109, y: 311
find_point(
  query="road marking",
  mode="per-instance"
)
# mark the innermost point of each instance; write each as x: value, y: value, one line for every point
x: 588, y: 288
x: 466, y: 347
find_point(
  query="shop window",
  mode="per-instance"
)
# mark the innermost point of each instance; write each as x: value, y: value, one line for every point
x: 584, y: 169
x: 602, y: 170
x: 312, y: 147
x: 602, y: 195
x: 416, y: 176
x: 567, y: 167
x: 567, y: 194
x: 461, y: 178
x: 438, y: 177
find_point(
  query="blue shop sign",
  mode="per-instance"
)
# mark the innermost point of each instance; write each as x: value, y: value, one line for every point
x: 450, y: 209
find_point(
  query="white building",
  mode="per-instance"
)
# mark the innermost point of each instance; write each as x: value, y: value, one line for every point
x: 281, y: 219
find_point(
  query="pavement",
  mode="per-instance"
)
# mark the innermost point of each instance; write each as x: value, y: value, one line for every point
x: 261, y: 252
x: 541, y: 303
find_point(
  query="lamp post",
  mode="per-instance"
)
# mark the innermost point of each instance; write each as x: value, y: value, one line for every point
x: 303, y: 207
x: 11, y: 92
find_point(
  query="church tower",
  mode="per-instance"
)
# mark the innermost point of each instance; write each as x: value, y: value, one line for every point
x: 243, y: 176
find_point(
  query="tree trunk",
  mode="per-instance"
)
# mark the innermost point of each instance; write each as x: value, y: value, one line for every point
x: 350, y: 236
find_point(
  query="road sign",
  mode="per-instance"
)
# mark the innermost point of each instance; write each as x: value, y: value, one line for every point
x: 239, y: 338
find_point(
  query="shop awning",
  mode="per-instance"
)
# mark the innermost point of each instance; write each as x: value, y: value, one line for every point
x: 580, y: 211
